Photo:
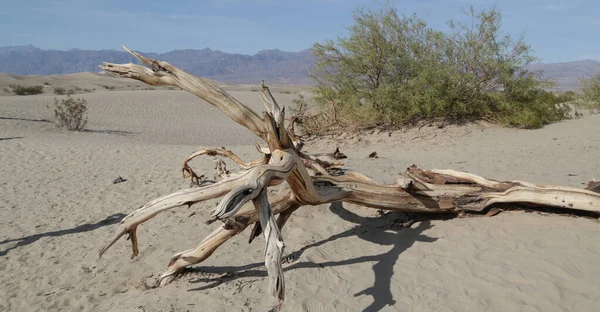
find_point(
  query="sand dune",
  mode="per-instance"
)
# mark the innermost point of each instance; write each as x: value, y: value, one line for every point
x: 59, y: 205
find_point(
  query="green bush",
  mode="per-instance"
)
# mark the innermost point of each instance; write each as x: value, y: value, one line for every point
x: 394, y: 71
x: 21, y: 90
x: 590, y: 88
x: 71, y: 113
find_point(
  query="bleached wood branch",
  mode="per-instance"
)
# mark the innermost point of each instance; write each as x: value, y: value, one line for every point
x: 164, y: 74
x: 273, y: 247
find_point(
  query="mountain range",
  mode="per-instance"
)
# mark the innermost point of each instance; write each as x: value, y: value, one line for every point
x: 273, y: 66
x: 270, y: 65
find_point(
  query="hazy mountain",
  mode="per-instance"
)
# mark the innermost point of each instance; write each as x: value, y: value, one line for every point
x: 270, y: 65
x: 567, y: 74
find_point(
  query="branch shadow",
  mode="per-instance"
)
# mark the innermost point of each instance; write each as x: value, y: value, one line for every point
x: 23, y: 119
x: 115, y: 132
x: 386, y: 230
x: 11, y: 138
x: 112, y: 219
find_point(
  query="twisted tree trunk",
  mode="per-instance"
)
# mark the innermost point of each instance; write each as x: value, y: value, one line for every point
x: 311, y: 181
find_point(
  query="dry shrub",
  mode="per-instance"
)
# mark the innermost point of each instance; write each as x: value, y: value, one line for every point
x: 22, y: 90
x: 71, y: 113
x: 311, y: 120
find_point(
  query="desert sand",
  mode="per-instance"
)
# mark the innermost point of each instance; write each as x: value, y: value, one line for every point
x: 59, y: 205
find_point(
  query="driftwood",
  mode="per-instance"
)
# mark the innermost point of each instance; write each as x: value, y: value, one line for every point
x: 311, y: 181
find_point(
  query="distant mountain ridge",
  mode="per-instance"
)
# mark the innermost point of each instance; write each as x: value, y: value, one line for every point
x: 567, y: 74
x: 270, y: 65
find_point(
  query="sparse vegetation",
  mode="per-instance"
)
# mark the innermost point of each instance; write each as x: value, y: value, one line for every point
x: 590, y: 89
x: 71, y: 113
x: 111, y: 88
x: 22, y: 90
x: 63, y: 91
x: 285, y: 92
x: 59, y: 91
x: 394, y: 71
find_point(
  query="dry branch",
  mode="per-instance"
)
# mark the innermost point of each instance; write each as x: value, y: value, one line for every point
x: 417, y: 190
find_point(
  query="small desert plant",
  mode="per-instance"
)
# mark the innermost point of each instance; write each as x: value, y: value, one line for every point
x: 285, y: 92
x: 108, y: 87
x: 21, y: 90
x: 310, y: 120
x: 46, y: 83
x: 71, y: 113
x: 63, y: 91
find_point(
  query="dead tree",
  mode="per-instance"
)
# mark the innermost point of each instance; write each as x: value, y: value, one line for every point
x: 311, y: 181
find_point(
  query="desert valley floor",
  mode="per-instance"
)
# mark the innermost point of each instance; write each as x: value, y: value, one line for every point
x: 59, y: 205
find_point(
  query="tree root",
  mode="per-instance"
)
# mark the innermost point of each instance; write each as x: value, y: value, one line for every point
x: 417, y: 190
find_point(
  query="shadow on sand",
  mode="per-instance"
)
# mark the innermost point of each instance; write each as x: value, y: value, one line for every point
x: 11, y: 138
x: 384, y: 230
x: 112, y: 219
x: 115, y: 132
x: 23, y: 119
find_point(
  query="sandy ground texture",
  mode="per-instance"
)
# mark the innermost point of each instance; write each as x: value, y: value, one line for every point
x: 59, y: 205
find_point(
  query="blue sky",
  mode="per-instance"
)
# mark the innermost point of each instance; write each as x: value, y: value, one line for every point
x: 558, y: 30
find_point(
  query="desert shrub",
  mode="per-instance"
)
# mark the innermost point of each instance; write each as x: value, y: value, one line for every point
x: 21, y: 90
x: 46, y: 83
x: 63, y: 91
x: 590, y: 89
x: 71, y: 113
x: 285, y: 91
x: 109, y: 87
x: 393, y: 71
x: 311, y: 121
